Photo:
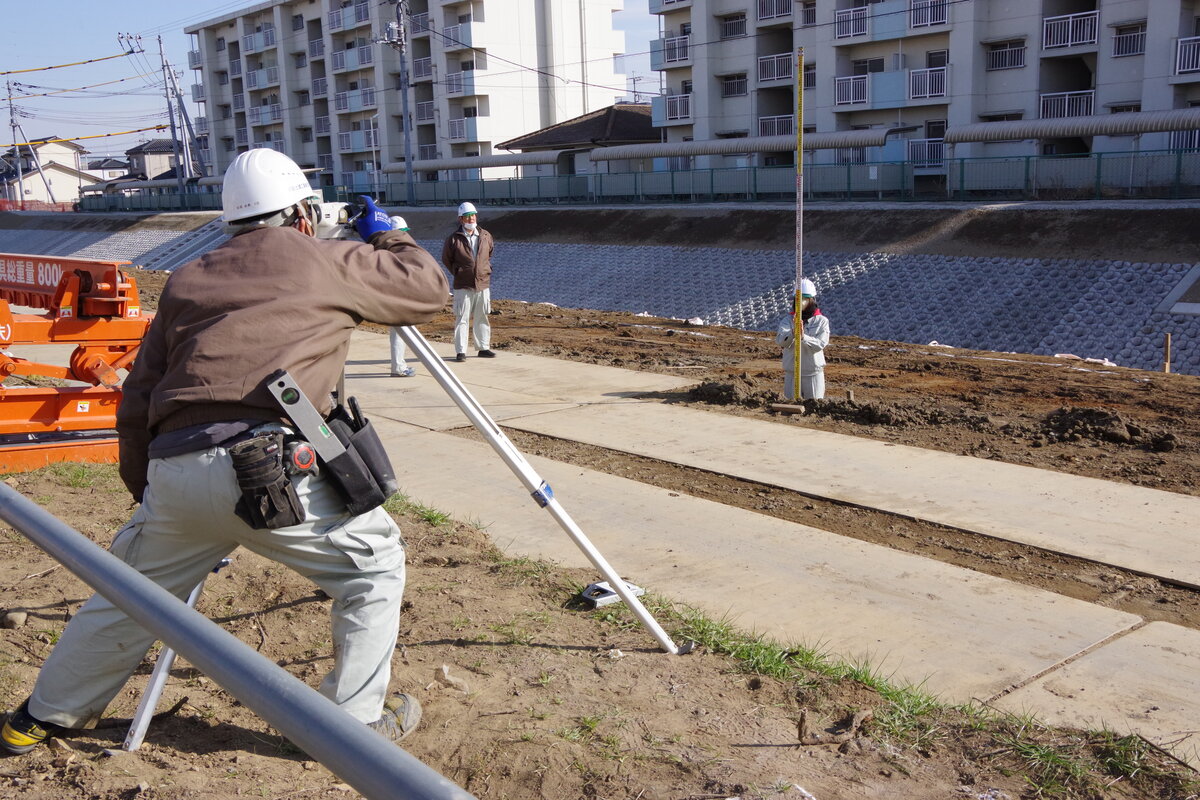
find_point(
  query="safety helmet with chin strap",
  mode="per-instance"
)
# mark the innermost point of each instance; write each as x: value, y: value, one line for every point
x: 260, y: 182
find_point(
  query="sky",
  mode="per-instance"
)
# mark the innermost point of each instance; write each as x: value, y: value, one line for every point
x: 134, y: 98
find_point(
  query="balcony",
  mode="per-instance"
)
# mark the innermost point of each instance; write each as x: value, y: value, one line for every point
x: 671, y: 109
x: 349, y: 17
x: 1006, y: 58
x: 420, y: 24
x: 240, y: 136
x: 239, y: 102
x: 925, y: 83
x: 316, y: 48
x: 253, y: 42
x: 927, y: 153
x: 1129, y: 44
x: 1067, y: 104
x: 1187, y: 55
x: 205, y: 155
x: 663, y: 6
x: 775, y: 68
x: 851, y: 22
x: 353, y: 58
x: 852, y: 90
x: 425, y: 111
x: 923, y: 13
x: 780, y: 125
x: 357, y: 141
x: 1070, y: 30
x: 422, y: 68
x: 325, y: 161
x: 195, y: 60
x: 270, y: 144
x: 427, y: 152
x: 354, y: 101
x: 320, y: 87
x: 264, y: 115
x: 774, y: 9
x: 235, y: 67
x: 201, y: 126
x: 457, y: 37
x: 262, y: 77
x: 198, y: 92
x: 322, y: 125
x: 462, y: 83
x: 672, y: 51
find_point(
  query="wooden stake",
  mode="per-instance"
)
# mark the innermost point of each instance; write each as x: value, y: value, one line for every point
x: 1166, y: 352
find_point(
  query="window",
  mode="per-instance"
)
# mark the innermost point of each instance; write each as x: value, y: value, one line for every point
x: 865, y: 66
x: 1003, y: 117
x: 306, y: 134
x: 733, y: 26
x: 298, y: 22
x: 225, y: 110
x: 935, y: 129
x: 733, y: 85
x: 685, y: 29
x: 685, y: 87
x: 467, y: 66
x: 299, y: 60
x: 808, y: 13
x: 1129, y: 40
x: 937, y: 58
x: 220, y: 43
x: 303, y: 98
x: 470, y: 111
x: 1124, y: 108
x: 227, y: 145
x: 810, y: 75
x: 222, y: 78
x: 463, y: 19
x: 1006, y: 55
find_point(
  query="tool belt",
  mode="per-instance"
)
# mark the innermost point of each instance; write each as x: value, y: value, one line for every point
x: 363, y: 475
x: 269, y: 499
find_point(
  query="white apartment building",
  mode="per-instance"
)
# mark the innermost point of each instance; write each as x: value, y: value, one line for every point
x: 922, y: 66
x: 308, y: 78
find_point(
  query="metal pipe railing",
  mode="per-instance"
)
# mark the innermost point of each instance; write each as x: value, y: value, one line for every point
x: 362, y: 758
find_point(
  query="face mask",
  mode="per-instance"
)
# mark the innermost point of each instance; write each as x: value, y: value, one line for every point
x: 469, y: 227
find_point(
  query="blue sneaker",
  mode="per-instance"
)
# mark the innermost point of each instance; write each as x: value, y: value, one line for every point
x: 407, y: 372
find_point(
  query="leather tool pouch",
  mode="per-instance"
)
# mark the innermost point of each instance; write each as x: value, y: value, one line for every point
x: 269, y: 499
x: 363, y: 474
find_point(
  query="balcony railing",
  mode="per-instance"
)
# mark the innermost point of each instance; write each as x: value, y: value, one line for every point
x: 808, y: 16
x: 452, y: 37
x: 322, y: 125
x: 201, y: 126
x: 1187, y: 55
x: 1006, y: 58
x: 851, y: 90
x: 810, y: 78
x: 354, y: 101
x: 773, y: 9
x: 420, y: 23
x: 850, y: 155
x: 352, y: 58
x: 235, y: 67
x: 346, y: 18
x: 325, y: 161
x: 1070, y: 30
x: 458, y: 129
x: 239, y: 102
x: 316, y: 48
x: 734, y: 27
x: 320, y: 87
x: 195, y: 61
x: 1185, y: 140
x: 253, y: 42
x: 679, y: 106
x: 272, y: 144
x: 240, y: 136
x: 262, y: 77
x: 265, y: 115
x: 851, y: 22
x: 780, y: 125
x: 1068, y: 104
x: 775, y: 68
x: 923, y: 13
x: 422, y: 67
x: 675, y: 48
x: 425, y: 152
x: 197, y: 92
x: 1129, y: 44
x: 927, y: 153
x: 924, y: 83
x: 454, y: 83
x: 425, y: 111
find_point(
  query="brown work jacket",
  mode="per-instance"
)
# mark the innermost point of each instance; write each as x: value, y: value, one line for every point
x: 469, y: 272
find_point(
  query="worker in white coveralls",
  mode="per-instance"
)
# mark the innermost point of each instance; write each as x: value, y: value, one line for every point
x: 201, y: 440
x: 814, y: 340
x: 400, y: 369
x: 467, y: 254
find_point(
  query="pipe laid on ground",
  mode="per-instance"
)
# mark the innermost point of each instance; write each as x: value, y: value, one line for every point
x: 362, y: 758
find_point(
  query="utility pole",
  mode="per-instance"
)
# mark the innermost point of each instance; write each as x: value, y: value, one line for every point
x: 168, y: 80
x: 12, y: 121
x: 396, y: 36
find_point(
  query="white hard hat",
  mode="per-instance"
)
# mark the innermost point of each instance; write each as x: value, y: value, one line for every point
x: 808, y: 288
x: 260, y: 181
x: 398, y: 223
x: 466, y: 208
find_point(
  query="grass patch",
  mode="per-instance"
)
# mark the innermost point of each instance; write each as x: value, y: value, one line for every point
x: 401, y: 504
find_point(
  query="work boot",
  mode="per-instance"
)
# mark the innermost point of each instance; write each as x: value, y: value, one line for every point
x: 401, y: 715
x: 486, y: 354
x: 460, y: 356
x: 22, y: 733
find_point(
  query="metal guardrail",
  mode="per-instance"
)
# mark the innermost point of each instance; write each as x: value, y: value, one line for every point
x: 362, y: 758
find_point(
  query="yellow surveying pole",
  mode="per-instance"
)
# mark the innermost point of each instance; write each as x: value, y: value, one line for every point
x: 798, y: 303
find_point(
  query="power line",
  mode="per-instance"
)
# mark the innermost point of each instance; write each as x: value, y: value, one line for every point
x: 72, y: 64
x: 65, y: 91
x: 79, y: 138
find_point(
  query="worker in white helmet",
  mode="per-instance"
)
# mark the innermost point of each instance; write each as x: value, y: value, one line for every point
x: 814, y: 340
x: 467, y: 254
x: 400, y: 368
x: 197, y: 400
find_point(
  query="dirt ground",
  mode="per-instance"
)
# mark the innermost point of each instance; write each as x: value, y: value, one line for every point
x: 562, y: 702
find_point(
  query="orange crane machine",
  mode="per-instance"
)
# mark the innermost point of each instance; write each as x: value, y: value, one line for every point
x: 91, y: 304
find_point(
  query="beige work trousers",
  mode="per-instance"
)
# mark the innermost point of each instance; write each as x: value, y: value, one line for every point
x: 471, y: 309
x: 185, y: 525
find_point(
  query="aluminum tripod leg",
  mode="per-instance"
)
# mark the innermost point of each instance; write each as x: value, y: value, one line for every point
x: 158, y: 679
x: 533, y: 482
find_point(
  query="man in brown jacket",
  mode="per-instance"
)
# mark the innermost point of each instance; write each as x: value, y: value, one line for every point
x: 467, y: 253
x: 272, y: 297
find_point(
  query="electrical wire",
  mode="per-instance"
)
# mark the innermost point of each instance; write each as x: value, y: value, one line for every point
x: 78, y: 138
x: 60, y: 66
x: 65, y: 91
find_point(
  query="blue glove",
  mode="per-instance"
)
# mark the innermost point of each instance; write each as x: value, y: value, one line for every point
x: 372, y: 220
